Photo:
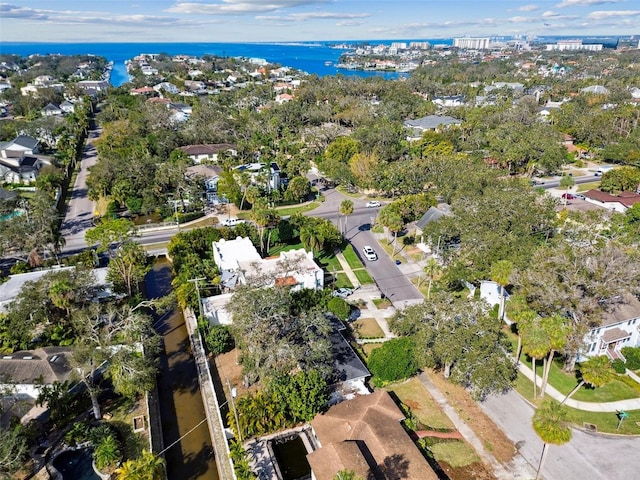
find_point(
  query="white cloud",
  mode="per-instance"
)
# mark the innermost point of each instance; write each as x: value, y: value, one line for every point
x: 349, y: 24
x: 585, y: 3
x: 528, y: 8
x: 303, y: 17
x: 599, y: 15
x: 240, y: 7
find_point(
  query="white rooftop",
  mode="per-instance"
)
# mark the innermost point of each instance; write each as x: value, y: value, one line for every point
x: 229, y: 253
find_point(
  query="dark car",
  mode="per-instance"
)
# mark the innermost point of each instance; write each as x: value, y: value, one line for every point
x: 569, y: 196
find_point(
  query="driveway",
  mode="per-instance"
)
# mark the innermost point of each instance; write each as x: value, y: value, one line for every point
x: 587, y: 456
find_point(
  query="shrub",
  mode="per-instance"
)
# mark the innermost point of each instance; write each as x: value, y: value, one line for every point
x: 339, y: 307
x: 632, y: 354
x: 619, y: 366
x: 219, y: 339
x: 394, y: 361
x: 107, y: 453
x: 408, y: 240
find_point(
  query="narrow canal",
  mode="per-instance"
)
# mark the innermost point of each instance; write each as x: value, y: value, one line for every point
x: 181, y: 407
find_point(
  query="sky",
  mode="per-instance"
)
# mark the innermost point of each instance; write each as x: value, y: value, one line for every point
x: 307, y: 20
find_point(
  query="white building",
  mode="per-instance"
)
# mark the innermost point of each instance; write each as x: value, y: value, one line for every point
x: 620, y: 328
x: 473, y: 43
x: 573, y: 45
x: 240, y: 263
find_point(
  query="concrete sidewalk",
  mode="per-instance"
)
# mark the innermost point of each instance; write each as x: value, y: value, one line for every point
x: 630, y: 404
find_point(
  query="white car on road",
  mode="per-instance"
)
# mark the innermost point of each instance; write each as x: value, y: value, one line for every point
x: 369, y: 253
x: 231, y: 222
x: 373, y: 204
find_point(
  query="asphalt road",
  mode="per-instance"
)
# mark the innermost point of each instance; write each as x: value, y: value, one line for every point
x: 390, y: 280
x: 80, y: 210
x: 577, y: 181
x: 587, y: 456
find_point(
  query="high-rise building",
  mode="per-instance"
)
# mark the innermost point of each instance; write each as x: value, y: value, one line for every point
x: 472, y: 43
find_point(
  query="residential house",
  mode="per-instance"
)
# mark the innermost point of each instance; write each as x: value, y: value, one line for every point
x: 240, y: 263
x: 432, y: 215
x: 142, y: 91
x: 21, y: 144
x: 93, y: 87
x: 210, y: 175
x: 51, y: 109
x: 26, y: 372
x: 166, y: 87
x: 619, y: 203
x: 450, y: 101
x: 596, y: 90
x: 271, y: 171
x: 67, y: 107
x: 209, y: 152
x: 431, y: 122
x: 18, y: 163
x: 619, y: 328
x: 364, y: 435
x: 9, y: 290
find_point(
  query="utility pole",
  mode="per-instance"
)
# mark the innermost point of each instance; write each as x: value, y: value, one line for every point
x: 196, y: 280
x: 235, y: 412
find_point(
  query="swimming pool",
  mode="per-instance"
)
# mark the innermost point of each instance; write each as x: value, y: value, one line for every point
x: 76, y: 465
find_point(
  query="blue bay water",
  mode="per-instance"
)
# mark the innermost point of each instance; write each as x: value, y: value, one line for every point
x: 308, y: 57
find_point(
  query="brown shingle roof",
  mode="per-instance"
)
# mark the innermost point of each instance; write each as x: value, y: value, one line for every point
x: 202, y: 149
x: 614, y: 334
x: 625, y: 198
x: 372, y: 423
x: 621, y: 312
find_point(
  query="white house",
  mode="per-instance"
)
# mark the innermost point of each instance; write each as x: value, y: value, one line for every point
x: 430, y: 122
x: 240, y: 263
x: 618, y: 203
x: 210, y: 152
x: 620, y: 328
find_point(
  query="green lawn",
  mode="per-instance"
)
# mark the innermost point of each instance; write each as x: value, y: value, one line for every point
x: 329, y: 262
x: 291, y: 210
x: 367, y: 348
x: 584, y: 187
x: 276, y: 249
x: 426, y: 410
x: 564, y: 383
x: 343, y: 281
x: 351, y: 257
x: 604, y: 421
x: 456, y: 454
x: 615, y: 390
x: 367, y: 328
x: 363, y: 276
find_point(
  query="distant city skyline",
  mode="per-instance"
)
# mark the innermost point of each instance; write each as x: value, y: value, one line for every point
x: 307, y: 20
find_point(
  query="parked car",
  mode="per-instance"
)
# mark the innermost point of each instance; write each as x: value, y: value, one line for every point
x: 580, y: 196
x: 569, y: 196
x: 373, y: 204
x: 369, y: 253
x: 342, y: 292
x: 231, y: 222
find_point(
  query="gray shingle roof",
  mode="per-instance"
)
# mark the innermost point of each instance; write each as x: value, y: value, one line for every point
x: 433, y: 214
x: 432, y: 122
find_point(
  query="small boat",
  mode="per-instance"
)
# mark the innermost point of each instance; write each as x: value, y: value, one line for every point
x: 328, y: 63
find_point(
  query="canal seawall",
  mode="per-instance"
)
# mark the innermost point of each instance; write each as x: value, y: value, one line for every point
x: 210, y: 400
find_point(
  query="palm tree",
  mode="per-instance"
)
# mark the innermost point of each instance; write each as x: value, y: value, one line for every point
x: 432, y: 269
x: 311, y: 239
x: 536, y: 344
x: 596, y: 372
x: 523, y: 316
x: 146, y: 467
x: 500, y: 273
x: 556, y: 331
x: 391, y: 219
x: 550, y: 423
x: 346, y: 209
x: 567, y: 182
x: 107, y: 453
